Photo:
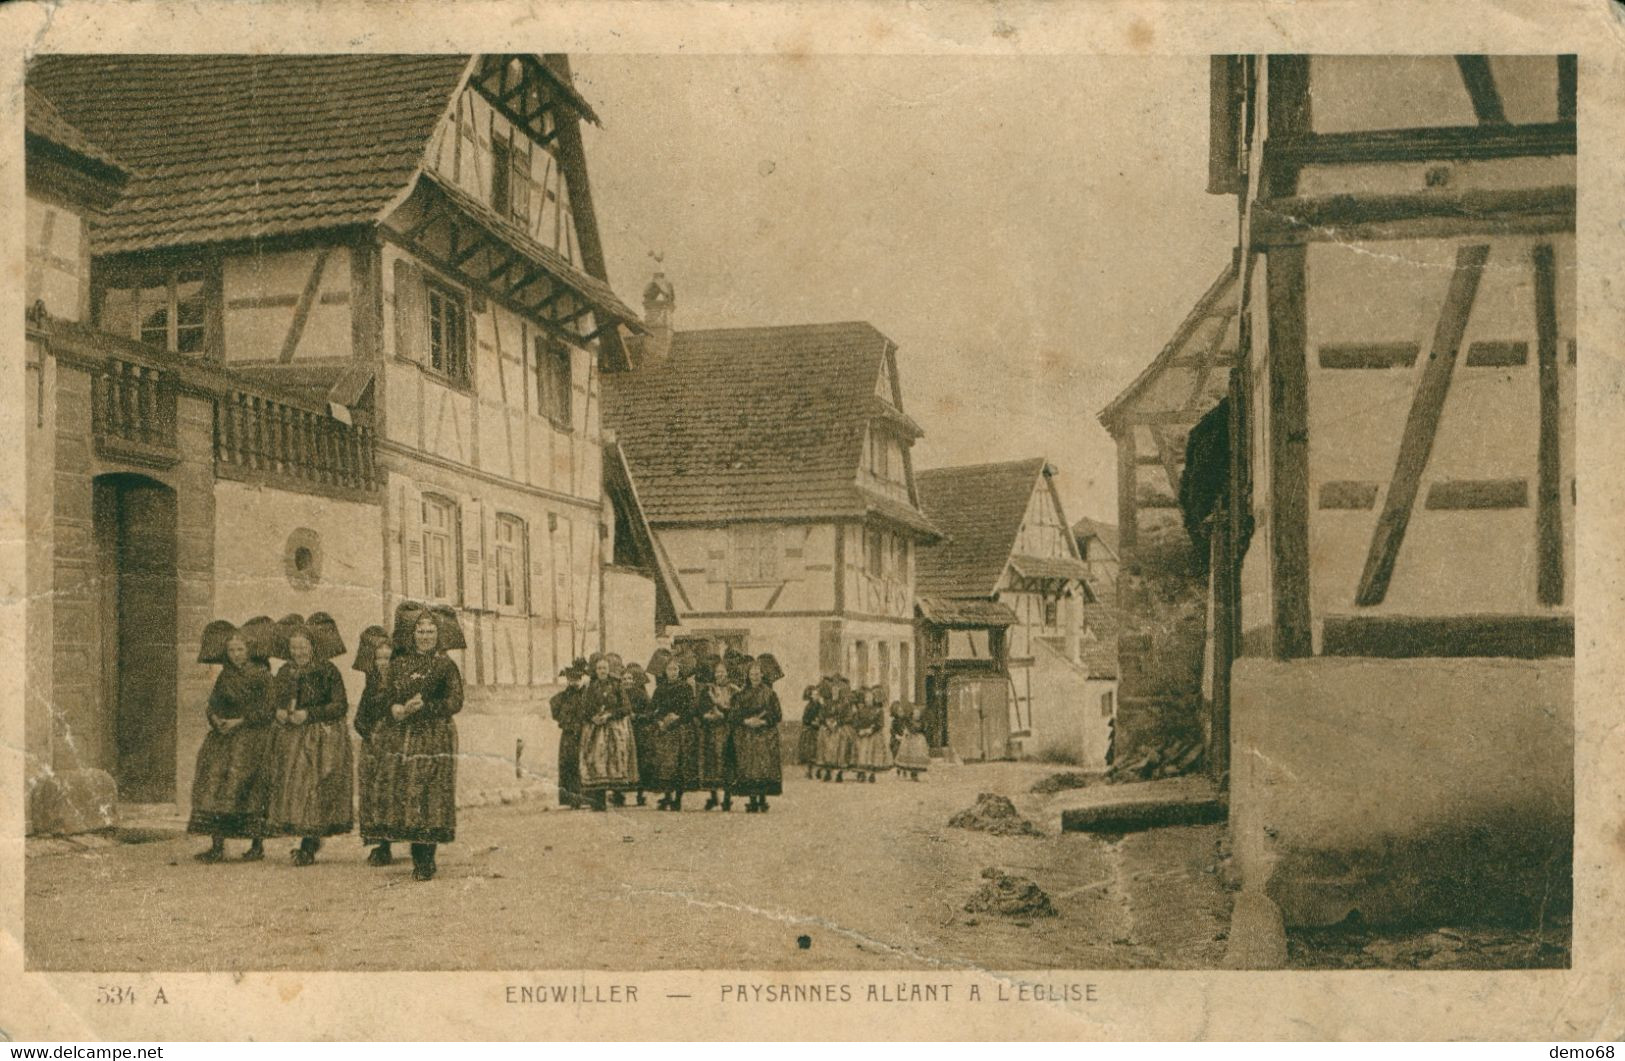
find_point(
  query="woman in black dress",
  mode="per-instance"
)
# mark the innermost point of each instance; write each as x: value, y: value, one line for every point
x: 812, y: 712
x: 419, y: 777
x: 716, y: 694
x: 635, y: 680
x: 312, y: 767
x: 676, y: 749
x: 567, y: 705
x: 229, y: 793
x: 758, y: 771
x: 379, y: 738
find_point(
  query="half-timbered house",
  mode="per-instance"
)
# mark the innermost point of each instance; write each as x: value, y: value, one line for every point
x: 1393, y: 519
x: 385, y: 272
x: 1162, y: 584
x: 1008, y: 561
x: 773, y: 467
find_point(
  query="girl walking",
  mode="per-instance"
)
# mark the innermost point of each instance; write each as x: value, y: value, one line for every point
x: 418, y: 775
x: 759, y: 772
x: 312, y: 768
x: 716, y: 735
x: 229, y: 794
x: 380, y: 738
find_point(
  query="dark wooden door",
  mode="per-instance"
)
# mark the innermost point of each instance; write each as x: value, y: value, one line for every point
x: 141, y: 682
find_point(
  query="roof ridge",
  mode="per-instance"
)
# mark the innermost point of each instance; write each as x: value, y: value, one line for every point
x: 777, y: 327
x: 982, y: 466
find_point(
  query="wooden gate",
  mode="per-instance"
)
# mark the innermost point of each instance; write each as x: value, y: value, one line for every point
x: 979, y: 717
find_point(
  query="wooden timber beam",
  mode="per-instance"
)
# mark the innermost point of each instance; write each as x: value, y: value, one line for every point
x: 1548, y: 492
x: 1423, y: 145
x: 1421, y: 426
x: 1286, y: 293
x: 1568, y: 79
x: 1411, y: 215
x: 1408, y: 637
x: 1480, y: 81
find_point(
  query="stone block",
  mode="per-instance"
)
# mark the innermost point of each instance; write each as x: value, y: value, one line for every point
x: 72, y: 801
x: 1257, y: 933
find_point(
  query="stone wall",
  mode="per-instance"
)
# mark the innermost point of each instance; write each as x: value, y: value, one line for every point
x: 1408, y: 790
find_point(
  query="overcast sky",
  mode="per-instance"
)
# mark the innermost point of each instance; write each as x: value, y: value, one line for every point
x: 1029, y: 231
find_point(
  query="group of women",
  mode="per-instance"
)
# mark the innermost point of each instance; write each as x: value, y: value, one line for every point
x: 844, y: 729
x: 711, y: 724
x: 278, y: 761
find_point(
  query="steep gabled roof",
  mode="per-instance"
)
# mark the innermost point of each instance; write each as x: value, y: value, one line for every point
x: 980, y: 509
x: 1094, y: 528
x: 241, y: 146
x: 1207, y: 336
x: 754, y: 423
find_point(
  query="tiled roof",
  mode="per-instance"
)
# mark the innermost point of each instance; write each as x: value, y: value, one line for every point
x: 979, y: 509
x: 752, y: 423
x: 42, y: 119
x: 1062, y: 567
x: 239, y: 146
x: 948, y: 611
x: 321, y: 383
x: 1094, y: 528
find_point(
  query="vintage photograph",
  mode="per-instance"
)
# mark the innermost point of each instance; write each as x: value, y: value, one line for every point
x: 799, y: 512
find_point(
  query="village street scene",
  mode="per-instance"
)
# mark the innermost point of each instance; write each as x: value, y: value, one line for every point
x: 658, y: 512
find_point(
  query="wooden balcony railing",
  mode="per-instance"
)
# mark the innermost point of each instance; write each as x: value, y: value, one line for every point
x: 133, y: 411
x: 258, y: 436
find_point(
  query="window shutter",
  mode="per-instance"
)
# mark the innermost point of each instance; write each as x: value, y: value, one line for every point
x: 493, y: 599
x: 793, y: 567
x: 473, y: 545
x: 538, y: 561
x: 411, y: 530
x: 411, y: 311
x: 716, y: 557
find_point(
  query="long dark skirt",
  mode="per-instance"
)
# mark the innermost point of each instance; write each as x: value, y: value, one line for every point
x: 643, y: 735
x: 312, y: 779
x: 372, y: 807
x: 807, y: 745
x: 570, y: 768
x: 716, y: 755
x: 230, y: 792
x: 676, y: 755
x: 416, y: 780
x: 757, y: 769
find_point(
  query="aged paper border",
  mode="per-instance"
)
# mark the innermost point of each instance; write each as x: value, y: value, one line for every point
x: 1583, y: 1003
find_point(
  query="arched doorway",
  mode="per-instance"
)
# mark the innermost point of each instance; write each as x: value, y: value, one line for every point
x: 135, y: 536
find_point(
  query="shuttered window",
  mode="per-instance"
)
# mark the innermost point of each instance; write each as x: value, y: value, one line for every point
x: 553, y: 380
x: 756, y: 553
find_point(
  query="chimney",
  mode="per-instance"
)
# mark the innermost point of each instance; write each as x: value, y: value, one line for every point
x: 659, y: 300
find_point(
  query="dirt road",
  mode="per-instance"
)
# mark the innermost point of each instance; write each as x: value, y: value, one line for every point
x: 849, y: 876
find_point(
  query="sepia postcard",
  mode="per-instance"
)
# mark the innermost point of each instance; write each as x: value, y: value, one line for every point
x: 812, y: 521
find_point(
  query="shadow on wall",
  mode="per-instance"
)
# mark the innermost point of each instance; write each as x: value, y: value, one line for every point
x: 1506, y: 868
